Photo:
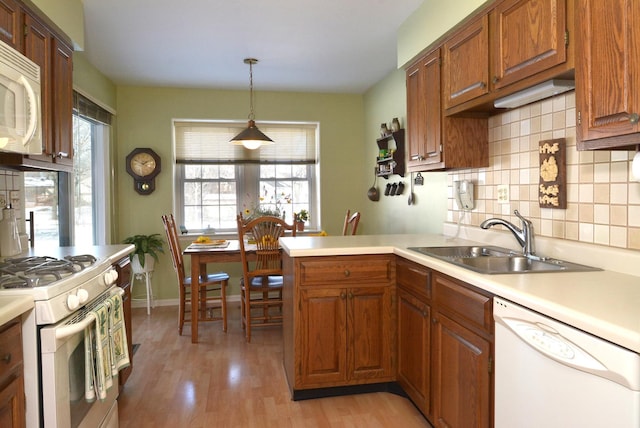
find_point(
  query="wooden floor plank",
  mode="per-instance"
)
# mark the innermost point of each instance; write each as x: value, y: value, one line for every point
x: 222, y: 381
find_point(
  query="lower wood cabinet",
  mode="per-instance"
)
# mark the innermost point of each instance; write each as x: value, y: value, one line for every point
x: 462, y: 338
x: 123, y: 267
x: 445, y: 338
x: 339, y: 321
x: 12, y: 395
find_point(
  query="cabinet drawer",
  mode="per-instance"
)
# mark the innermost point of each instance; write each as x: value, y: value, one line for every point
x: 10, y: 348
x: 472, y: 309
x: 345, y: 270
x: 413, y: 277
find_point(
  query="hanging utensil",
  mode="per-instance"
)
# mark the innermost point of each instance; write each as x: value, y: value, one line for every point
x: 411, y: 197
x: 373, y: 193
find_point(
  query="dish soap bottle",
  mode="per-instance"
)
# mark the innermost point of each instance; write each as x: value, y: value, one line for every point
x: 9, y: 236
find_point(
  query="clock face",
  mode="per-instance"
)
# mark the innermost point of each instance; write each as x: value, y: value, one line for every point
x: 143, y: 164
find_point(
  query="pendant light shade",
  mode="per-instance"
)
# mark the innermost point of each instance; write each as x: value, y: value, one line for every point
x: 251, y: 138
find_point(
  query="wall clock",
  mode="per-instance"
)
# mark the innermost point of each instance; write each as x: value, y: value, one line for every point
x: 143, y: 164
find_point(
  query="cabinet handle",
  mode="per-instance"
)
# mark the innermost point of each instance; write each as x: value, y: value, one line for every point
x: 495, y: 79
x: 343, y: 295
x: 483, y: 85
x: 6, y: 358
x: 633, y: 118
x: 346, y: 272
x: 417, y: 157
x: 61, y: 155
x: 350, y: 295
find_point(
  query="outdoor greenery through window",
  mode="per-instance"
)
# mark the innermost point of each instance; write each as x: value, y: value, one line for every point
x: 216, y: 180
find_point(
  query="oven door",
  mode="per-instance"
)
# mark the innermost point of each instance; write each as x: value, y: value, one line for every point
x: 63, y: 379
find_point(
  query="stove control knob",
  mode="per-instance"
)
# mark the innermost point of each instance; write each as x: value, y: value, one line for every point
x: 110, y: 277
x: 83, y: 295
x: 73, y: 302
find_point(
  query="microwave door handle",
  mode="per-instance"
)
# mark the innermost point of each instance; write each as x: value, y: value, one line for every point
x: 33, y: 120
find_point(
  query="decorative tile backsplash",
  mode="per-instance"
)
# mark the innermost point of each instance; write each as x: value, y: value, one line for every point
x: 603, y: 203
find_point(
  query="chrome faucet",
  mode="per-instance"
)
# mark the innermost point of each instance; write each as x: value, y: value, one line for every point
x: 524, y: 236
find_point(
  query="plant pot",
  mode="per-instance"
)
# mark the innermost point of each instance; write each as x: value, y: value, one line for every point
x: 300, y: 226
x: 149, y: 263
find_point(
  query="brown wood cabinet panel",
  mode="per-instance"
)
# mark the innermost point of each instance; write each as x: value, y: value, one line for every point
x: 414, y: 349
x: 528, y: 37
x: 424, y: 112
x: 345, y: 270
x: 323, y: 336
x: 62, y: 86
x: 369, y: 323
x: 12, y: 395
x: 607, y: 74
x: 471, y: 307
x: 123, y: 267
x: 10, y: 24
x: 413, y: 277
x: 466, y: 63
x: 462, y: 382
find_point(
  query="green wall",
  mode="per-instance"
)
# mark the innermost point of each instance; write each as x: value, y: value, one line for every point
x: 144, y: 120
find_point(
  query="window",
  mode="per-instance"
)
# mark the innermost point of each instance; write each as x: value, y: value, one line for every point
x: 215, y: 180
x: 88, y: 210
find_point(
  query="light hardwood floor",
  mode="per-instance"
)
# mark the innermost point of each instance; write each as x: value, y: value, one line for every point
x: 225, y: 382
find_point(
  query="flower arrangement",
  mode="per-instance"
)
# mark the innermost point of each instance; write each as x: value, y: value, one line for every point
x: 272, y: 206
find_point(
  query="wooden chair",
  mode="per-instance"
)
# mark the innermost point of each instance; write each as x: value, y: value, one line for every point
x: 351, y: 222
x: 262, y: 280
x: 213, y: 297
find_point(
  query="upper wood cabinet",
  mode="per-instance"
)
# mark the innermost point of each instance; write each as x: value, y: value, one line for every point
x: 508, y: 46
x: 436, y: 142
x: 527, y: 37
x: 466, y: 63
x: 607, y: 74
x: 10, y: 24
x: 41, y: 42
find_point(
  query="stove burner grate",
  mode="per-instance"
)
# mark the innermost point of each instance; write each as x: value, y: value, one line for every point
x: 34, y: 271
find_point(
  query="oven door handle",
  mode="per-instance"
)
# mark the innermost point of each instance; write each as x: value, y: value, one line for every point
x: 69, y: 330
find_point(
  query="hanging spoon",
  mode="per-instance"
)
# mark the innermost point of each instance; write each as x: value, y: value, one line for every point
x: 410, y: 201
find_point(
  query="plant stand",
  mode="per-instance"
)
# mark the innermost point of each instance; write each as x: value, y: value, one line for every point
x: 145, y: 273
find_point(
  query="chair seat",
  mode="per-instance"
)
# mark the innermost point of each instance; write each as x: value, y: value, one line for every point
x: 211, y: 277
x: 274, y: 281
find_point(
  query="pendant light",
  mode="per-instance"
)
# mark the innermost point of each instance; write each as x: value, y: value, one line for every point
x: 251, y: 138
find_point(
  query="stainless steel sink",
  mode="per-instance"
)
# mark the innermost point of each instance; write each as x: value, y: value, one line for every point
x: 498, y: 260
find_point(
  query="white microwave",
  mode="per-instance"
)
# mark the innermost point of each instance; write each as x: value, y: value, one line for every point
x: 20, y: 115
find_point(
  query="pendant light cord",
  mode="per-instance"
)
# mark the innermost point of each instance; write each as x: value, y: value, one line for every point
x: 251, y: 61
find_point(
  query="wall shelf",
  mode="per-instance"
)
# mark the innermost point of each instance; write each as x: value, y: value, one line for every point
x: 393, y: 161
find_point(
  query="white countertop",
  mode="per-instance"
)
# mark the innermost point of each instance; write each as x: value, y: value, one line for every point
x: 13, y: 306
x: 604, y: 303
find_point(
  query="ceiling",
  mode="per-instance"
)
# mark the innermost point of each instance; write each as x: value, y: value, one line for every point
x: 336, y: 46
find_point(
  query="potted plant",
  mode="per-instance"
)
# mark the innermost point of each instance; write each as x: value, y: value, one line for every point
x: 146, y: 249
x: 300, y: 219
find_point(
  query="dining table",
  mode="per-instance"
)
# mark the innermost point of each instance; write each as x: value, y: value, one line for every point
x: 203, y: 254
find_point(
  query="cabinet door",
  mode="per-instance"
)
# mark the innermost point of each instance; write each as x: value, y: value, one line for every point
x: 123, y: 267
x: 528, y: 37
x: 424, y: 110
x: 62, y: 84
x: 461, y: 372
x: 323, y: 358
x: 369, y: 325
x: 607, y: 73
x: 37, y: 47
x: 466, y: 63
x: 10, y: 24
x: 12, y: 411
x: 414, y: 349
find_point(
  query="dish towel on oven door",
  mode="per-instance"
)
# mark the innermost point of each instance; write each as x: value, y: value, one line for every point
x: 106, y: 350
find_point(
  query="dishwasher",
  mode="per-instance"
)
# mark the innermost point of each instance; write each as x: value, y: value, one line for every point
x: 549, y: 374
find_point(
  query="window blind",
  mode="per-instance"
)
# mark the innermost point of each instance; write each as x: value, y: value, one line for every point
x: 207, y: 142
x: 84, y: 107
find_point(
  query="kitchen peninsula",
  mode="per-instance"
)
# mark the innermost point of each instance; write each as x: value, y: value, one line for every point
x: 355, y: 280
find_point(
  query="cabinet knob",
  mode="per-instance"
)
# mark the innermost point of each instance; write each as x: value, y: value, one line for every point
x: 350, y: 295
x: 424, y: 314
x: 483, y: 85
x: 343, y: 295
x: 61, y: 155
x: 6, y: 358
x: 346, y: 272
x: 495, y: 79
x: 633, y: 118
x: 433, y: 320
